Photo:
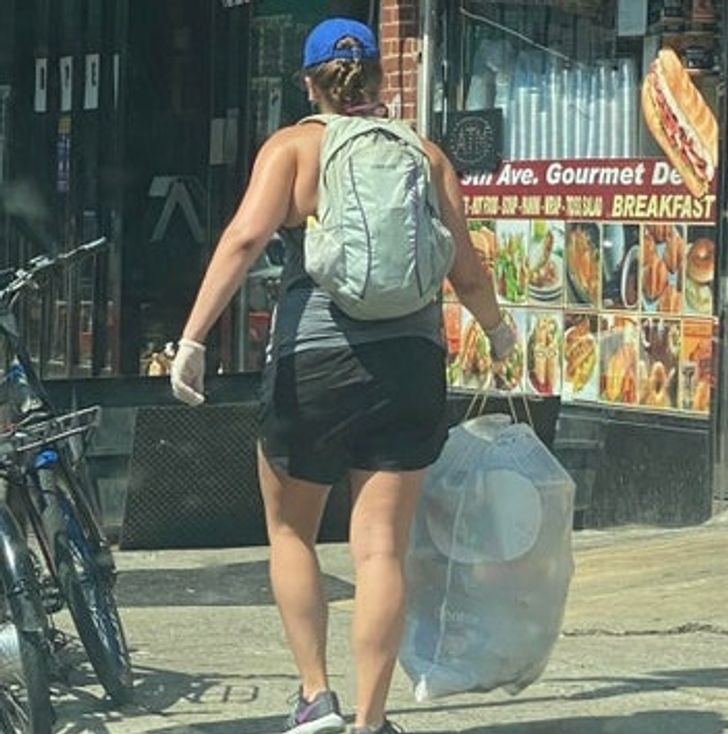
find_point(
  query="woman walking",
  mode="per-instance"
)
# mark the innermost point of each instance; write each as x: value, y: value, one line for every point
x: 340, y: 395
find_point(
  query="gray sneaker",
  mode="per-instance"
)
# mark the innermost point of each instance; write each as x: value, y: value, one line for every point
x: 386, y: 728
x: 320, y: 716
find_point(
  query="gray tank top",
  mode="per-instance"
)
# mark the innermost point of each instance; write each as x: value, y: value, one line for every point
x: 307, y: 318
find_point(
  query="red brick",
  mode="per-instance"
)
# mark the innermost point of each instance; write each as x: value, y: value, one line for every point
x: 391, y: 28
x: 394, y: 79
x: 388, y: 15
x: 399, y: 39
x: 390, y: 47
x: 407, y: 67
x: 399, y: 15
x: 392, y: 63
x: 411, y: 45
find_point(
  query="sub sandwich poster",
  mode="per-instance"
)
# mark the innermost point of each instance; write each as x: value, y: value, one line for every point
x: 604, y: 267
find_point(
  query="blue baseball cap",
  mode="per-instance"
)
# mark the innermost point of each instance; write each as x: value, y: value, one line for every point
x: 321, y: 42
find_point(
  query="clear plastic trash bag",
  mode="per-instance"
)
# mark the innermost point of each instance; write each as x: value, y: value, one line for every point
x: 489, y: 563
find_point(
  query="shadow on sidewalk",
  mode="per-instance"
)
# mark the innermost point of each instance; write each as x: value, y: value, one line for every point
x: 262, y: 725
x: 232, y: 584
x: 659, y: 680
x: 160, y: 691
x: 81, y: 707
x: 644, y: 722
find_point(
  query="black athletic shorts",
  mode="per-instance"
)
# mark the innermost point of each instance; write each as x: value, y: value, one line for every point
x: 377, y: 406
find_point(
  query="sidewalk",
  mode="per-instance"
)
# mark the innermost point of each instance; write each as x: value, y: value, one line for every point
x: 644, y: 648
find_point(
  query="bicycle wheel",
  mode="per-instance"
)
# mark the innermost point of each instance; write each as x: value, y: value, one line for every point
x: 87, y: 588
x: 25, y: 704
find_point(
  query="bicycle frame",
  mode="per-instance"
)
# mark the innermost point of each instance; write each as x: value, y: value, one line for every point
x: 41, y: 468
x: 28, y: 405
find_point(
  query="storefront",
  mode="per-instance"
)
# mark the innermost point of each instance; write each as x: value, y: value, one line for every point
x: 108, y: 132
x: 569, y: 135
x: 139, y: 120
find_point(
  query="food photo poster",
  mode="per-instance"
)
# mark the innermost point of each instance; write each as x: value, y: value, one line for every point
x: 603, y: 267
x: 619, y: 314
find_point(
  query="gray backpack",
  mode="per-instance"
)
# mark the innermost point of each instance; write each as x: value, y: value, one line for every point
x: 377, y: 246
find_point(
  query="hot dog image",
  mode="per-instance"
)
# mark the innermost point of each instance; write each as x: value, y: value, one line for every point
x: 681, y: 121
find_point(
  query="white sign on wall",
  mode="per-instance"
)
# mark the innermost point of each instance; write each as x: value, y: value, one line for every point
x: 117, y: 68
x: 91, y: 82
x: 66, y: 69
x: 40, y: 101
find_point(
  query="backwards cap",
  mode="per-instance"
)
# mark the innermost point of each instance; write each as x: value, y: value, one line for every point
x: 321, y: 43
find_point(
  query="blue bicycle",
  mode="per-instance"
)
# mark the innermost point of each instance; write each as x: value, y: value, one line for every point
x: 46, y: 505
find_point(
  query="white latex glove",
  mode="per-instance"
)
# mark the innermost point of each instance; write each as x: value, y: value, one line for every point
x: 502, y: 340
x: 187, y: 374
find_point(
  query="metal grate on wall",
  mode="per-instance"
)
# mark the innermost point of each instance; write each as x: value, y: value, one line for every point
x: 193, y: 479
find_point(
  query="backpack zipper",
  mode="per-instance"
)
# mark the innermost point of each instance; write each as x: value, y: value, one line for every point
x: 366, y: 228
x: 413, y: 183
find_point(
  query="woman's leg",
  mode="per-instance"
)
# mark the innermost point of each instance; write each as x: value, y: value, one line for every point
x: 293, y: 511
x: 383, y: 507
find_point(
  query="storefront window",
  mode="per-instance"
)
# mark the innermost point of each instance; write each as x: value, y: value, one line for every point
x: 597, y: 213
x: 140, y: 121
x: 562, y: 74
x: 277, y: 99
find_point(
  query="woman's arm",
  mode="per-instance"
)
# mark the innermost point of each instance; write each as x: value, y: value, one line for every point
x: 263, y: 209
x: 472, y: 284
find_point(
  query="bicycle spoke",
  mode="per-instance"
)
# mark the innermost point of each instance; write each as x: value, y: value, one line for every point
x: 14, y: 709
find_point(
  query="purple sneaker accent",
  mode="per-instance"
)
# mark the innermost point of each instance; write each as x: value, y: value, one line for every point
x: 320, y: 716
x: 303, y: 713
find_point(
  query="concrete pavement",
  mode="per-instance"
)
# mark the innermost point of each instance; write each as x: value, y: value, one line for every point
x: 644, y: 648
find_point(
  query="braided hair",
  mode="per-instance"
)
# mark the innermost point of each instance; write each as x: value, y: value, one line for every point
x: 348, y: 83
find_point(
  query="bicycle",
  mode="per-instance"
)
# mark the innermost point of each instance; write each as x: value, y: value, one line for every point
x: 44, y: 480
x: 25, y: 704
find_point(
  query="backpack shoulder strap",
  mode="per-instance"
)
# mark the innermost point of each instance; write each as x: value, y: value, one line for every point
x: 404, y: 131
x: 322, y: 119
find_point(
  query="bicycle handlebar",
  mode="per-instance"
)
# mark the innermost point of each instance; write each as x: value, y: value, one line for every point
x: 25, y: 277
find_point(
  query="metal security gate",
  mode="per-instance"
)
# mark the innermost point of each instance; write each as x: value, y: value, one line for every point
x: 193, y: 479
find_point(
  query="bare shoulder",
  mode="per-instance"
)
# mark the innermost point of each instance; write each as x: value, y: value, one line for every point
x: 438, y: 160
x: 290, y: 139
x: 294, y: 143
x: 279, y: 141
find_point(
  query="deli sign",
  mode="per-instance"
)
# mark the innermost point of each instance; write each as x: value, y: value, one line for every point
x: 629, y: 189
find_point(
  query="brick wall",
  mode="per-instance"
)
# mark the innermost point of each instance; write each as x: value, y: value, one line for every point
x: 399, y: 30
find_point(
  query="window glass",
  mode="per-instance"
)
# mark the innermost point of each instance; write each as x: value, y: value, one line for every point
x: 565, y: 75
x: 597, y: 215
